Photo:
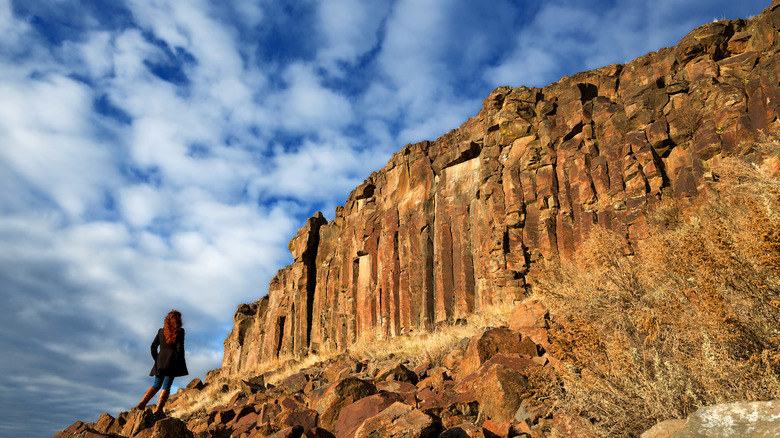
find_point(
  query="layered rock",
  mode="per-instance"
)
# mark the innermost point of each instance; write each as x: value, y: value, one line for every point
x: 450, y: 226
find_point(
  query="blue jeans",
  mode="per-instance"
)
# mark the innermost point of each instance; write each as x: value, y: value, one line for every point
x: 163, y: 381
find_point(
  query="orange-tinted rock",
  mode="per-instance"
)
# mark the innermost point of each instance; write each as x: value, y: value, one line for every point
x: 168, y: 427
x: 499, y: 389
x: 529, y: 314
x: 464, y: 430
x: 79, y: 429
x: 353, y: 415
x: 497, y: 429
x: 318, y: 432
x: 399, y: 420
x: 300, y: 416
x: 482, y: 347
x: 407, y: 391
x: 328, y: 401
x: 397, y: 371
x: 573, y: 425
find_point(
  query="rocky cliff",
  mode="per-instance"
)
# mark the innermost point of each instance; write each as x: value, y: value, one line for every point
x: 452, y: 225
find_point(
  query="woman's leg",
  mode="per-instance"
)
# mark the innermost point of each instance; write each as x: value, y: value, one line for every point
x: 167, y: 381
x: 158, y: 381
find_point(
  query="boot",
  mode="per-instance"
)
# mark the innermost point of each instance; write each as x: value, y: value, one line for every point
x: 148, y: 396
x: 161, y: 403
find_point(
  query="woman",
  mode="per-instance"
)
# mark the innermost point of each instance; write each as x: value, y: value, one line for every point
x: 168, y: 362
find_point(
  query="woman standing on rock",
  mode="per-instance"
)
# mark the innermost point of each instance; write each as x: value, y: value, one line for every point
x: 168, y: 362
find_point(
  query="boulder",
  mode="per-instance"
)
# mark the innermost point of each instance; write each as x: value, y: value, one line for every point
x: 500, y: 390
x: 167, y: 427
x: 748, y: 419
x: 497, y: 429
x: 299, y: 416
x: 294, y: 383
x: 573, y: 425
x: 464, y: 430
x: 318, y: 432
x: 484, y: 346
x: 399, y: 420
x: 529, y: 314
x: 353, y: 415
x: 664, y: 429
x: 329, y: 400
x: 79, y: 429
x: 290, y: 432
x: 397, y: 371
x: 406, y: 390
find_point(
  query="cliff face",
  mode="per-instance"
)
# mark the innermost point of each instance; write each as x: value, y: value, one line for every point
x: 450, y: 226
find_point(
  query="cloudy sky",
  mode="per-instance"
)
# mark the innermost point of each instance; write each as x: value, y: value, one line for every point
x: 159, y: 154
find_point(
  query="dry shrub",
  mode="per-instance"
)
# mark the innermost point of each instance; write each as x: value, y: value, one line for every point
x: 692, y: 320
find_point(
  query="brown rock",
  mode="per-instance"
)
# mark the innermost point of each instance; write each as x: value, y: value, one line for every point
x: 246, y: 423
x: 573, y: 425
x: 399, y: 372
x: 399, y: 420
x: 329, y: 400
x: 451, y: 407
x: 483, y: 347
x: 464, y: 430
x: 138, y: 420
x: 453, y: 359
x: 497, y: 429
x: 290, y: 432
x: 753, y: 419
x: 291, y: 402
x: 499, y: 389
x: 318, y: 432
x: 529, y: 314
x: 79, y: 429
x: 406, y: 390
x: 108, y: 424
x: 300, y: 416
x: 267, y: 412
x: 294, y: 383
x: 168, y: 427
x: 664, y: 429
x: 353, y: 415
x: 195, y: 384
x: 436, y: 378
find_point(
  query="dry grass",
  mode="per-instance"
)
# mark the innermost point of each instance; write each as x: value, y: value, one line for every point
x: 694, y: 320
x: 430, y: 345
x: 204, y: 400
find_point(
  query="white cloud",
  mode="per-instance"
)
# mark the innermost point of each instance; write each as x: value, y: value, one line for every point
x: 49, y: 123
x: 306, y: 106
x: 141, y: 204
x: 350, y: 29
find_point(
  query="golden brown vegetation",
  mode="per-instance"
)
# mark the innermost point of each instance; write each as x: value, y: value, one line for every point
x: 693, y: 320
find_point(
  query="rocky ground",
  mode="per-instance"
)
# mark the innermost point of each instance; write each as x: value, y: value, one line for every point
x: 487, y: 386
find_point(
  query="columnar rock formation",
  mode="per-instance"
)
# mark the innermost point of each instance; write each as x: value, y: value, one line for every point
x: 450, y: 226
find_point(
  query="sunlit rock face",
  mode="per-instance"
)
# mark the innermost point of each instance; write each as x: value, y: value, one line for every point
x: 452, y: 225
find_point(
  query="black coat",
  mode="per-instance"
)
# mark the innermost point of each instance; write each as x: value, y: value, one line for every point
x: 170, y: 360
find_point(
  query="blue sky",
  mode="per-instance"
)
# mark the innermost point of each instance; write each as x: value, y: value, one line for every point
x: 159, y: 154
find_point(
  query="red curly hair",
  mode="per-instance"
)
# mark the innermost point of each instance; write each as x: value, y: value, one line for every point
x: 172, y: 326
